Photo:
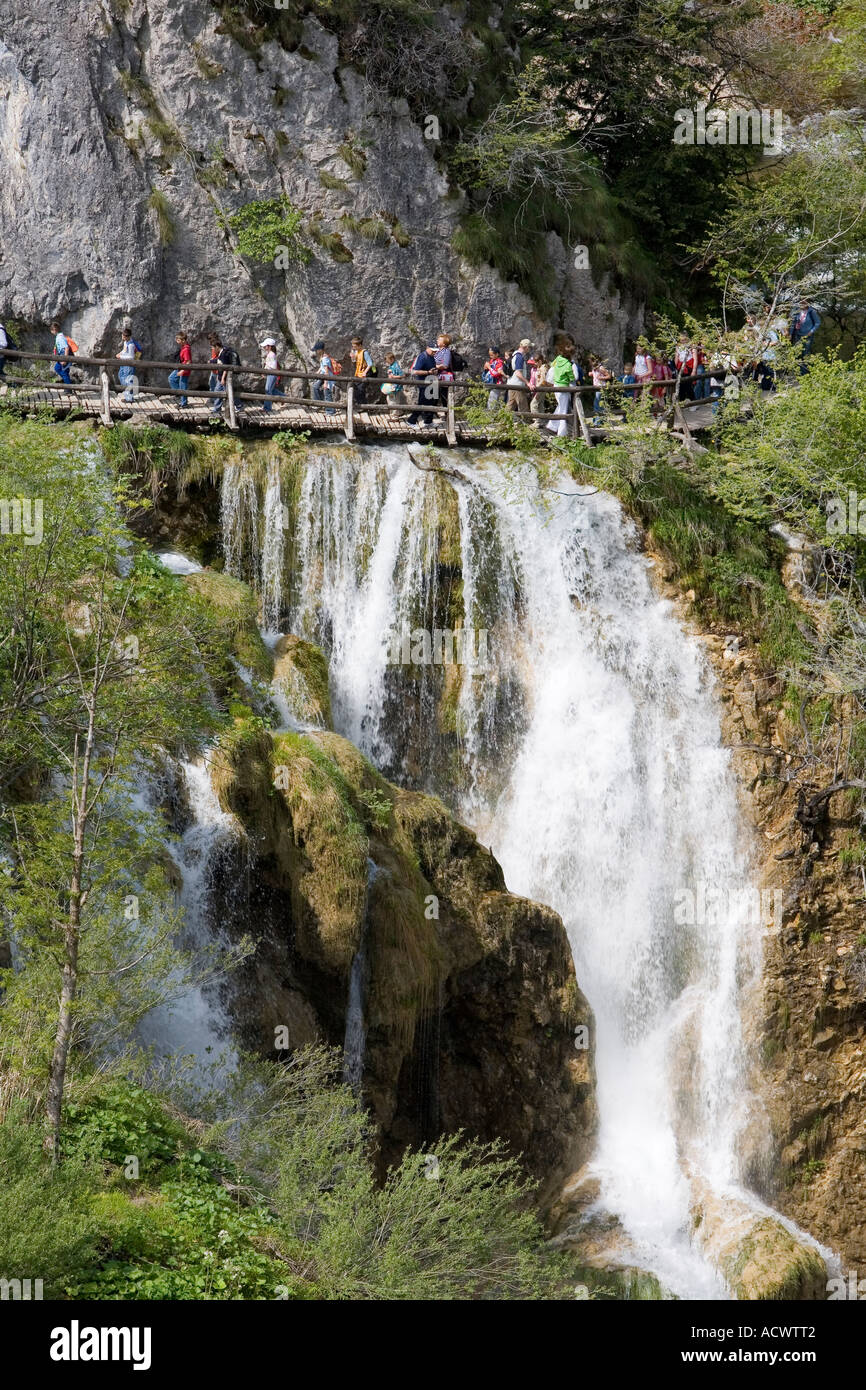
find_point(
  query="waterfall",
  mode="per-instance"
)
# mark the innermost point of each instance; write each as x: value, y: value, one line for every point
x: 239, y: 520
x: 194, y: 1024
x: 272, y: 551
x: 590, y: 759
x: 356, y: 1024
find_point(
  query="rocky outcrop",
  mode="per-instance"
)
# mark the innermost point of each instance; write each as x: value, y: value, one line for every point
x: 233, y: 607
x: 758, y: 1257
x: 471, y: 1003
x: 301, y: 677
x: 132, y: 132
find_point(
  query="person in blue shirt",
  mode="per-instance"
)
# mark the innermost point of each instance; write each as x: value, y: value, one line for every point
x: 628, y: 378
x: 61, y: 349
x: 323, y: 387
x: 392, y: 389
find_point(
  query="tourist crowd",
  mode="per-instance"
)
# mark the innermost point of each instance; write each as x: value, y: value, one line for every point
x: 525, y: 379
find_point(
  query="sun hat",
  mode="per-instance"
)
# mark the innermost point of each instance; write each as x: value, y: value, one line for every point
x: 268, y: 342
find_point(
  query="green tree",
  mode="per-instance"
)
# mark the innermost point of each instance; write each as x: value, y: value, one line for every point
x: 99, y: 672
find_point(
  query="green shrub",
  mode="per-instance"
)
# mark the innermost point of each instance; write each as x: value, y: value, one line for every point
x: 47, y: 1228
x: 268, y: 228
x: 121, y: 1122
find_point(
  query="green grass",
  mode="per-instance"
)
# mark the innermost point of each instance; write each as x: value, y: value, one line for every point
x: 332, y: 181
x: 158, y: 203
x: 351, y: 153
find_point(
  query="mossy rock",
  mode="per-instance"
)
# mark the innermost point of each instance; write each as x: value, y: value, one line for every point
x: 301, y: 673
x: 771, y: 1265
x: 235, y: 610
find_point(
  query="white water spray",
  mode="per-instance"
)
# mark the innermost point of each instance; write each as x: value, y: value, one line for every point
x: 195, y: 1024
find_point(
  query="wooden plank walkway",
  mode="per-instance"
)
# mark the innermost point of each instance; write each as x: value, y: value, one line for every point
x: 285, y: 415
x: 250, y: 410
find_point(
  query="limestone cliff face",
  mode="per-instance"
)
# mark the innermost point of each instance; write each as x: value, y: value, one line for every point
x: 131, y: 129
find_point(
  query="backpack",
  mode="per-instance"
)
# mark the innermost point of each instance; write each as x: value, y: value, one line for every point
x: 232, y: 358
x: 458, y: 361
x: 374, y: 370
x: 336, y: 367
x: 71, y: 344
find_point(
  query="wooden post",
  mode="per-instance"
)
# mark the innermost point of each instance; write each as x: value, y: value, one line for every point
x: 106, y: 397
x: 350, y: 409
x: 450, y: 425
x: 580, y: 418
x: 230, y: 397
x: 680, y: 418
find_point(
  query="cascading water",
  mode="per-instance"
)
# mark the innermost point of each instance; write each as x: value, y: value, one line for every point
x: 589, y: 758
x: 355, y: 1041
x: 272, y: 552
x: 239, y: 520
x: 195, y: 1024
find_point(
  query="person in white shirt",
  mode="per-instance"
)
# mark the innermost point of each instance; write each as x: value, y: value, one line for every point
x: 126, y: 373
x: 271, y: 364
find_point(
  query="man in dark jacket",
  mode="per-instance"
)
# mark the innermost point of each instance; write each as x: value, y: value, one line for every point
x: 425, y: 365
x: 804, y: 326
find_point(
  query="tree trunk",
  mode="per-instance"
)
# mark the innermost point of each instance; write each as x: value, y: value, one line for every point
x: 63, y: 1036
x: 72, y: 938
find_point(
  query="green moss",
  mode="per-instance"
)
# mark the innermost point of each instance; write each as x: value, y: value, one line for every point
x: 370, y: 228
x: 769, y: 1265
x: 205, y: 65
x: 158, y: 203
x: 301, y: 672
x: 235, y: 611
x: 331, y: 242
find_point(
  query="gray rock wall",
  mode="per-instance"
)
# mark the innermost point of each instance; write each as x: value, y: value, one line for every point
x: 106, y: 103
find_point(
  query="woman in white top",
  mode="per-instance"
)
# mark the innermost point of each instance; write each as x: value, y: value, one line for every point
x: 271, y: 364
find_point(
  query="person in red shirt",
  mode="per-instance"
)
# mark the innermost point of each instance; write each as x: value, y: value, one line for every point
x: 493, y: 374
x: 179, y: 379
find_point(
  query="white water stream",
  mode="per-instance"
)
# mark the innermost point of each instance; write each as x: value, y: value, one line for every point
x: 193, y: 1024
x: 612, y: 801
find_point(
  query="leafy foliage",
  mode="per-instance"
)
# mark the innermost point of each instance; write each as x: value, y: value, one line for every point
x: 269, y: 227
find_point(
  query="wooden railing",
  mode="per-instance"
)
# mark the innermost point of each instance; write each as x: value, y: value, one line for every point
x: 348, y: 401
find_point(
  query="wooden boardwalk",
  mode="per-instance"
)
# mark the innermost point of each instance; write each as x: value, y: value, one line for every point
x: 298, y: 411
x: 286, y: 414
